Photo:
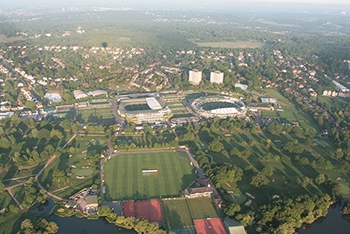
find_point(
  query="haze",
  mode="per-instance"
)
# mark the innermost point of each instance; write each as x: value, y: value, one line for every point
x: 159, y: 3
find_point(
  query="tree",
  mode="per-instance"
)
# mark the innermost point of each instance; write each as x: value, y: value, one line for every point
x: 267, y: 171
x: 320, y: 179
x: 232, y: 209
x: 30, y: 105
x: 27, y: 226
x: 216, y: 146
x: 2, y: 187
x: 304, y: 181
x: 259, y: 180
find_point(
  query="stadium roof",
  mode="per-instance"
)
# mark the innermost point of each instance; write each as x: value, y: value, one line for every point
x: 98, y: 92
x: 153, y: 103
x: 225, y: 111
x: 79, y: 94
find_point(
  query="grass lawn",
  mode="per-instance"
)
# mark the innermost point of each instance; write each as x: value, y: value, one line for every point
x: 11, y: 224
x: 273, y: 93
x: 182, y: 115
x: 334, y: 101
x: 180, y: 111
x: 95, y: 115
x: 202, y: 208
x: 124, y: 179
x: 269, y: 114
x: 82, y: 161
x: 177, y: 216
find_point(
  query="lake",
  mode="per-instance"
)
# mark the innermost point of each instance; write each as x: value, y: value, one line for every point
x: 75, y: 225
x: 332, y: 223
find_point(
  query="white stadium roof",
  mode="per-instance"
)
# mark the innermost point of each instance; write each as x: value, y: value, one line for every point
x: 224, y: 111
x: 153, y: 103
x: 98, y: 92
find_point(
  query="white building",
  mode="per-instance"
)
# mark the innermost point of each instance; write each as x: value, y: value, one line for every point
x: 217, y: 77
x: 53, y: 97
x: 195, y: 77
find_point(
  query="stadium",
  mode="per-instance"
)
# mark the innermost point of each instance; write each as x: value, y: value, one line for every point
x: 140, y: 109
x: 218, y: 106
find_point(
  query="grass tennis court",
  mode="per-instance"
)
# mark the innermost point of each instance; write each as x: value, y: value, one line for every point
x: 202, y: 208
x: 177, y: 215
x: 124, y: 179
x: 95, y: 115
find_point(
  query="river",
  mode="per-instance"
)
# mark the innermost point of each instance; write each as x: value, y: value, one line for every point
x: 332, y: 223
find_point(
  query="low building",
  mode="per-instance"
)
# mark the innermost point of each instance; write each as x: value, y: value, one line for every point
x: 79, y: 94
x: 91, y: 201
x: 268, y: 100
x: 53, y: 97
x: 233, y: 226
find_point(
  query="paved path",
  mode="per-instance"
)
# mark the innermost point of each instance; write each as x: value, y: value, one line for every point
x: 19, y: 178
x: 76, y: 134
x: 9, y: 190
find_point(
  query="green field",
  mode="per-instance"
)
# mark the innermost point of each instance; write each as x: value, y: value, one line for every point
x: 269, y: 114
x: 81, y: 163
x: 93, y: 115
x: 202, y: 208
x: 334, y: 101
x: 124, y: 179
x: 177, y: 216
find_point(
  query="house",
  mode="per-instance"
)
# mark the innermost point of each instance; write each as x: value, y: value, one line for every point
x: 205, y: 188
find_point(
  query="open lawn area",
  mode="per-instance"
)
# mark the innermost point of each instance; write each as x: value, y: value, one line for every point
x: 125, y: 179
x: 202, y: 208
x: 95, y: 115
x: 177, y: 216
x: 273, y: 93
x: 335, y: 101
x: 81, y: 166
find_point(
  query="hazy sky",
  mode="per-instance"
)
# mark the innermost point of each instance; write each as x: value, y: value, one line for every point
x: 159, y: 2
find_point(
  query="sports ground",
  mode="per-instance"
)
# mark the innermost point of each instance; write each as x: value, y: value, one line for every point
x: 180, y: 213
x: 125, y: 180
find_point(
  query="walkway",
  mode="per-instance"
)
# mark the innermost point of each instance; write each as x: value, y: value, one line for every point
x: 9, y: 190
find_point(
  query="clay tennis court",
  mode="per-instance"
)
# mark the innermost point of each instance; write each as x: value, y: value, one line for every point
x: 210, y: 226
x: 129, y: 208
x: 150, y: 210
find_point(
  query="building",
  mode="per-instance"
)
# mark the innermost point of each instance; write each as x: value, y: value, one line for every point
x: 53, y: 97
x: 233, y: 226
x: 5, y: 115
x: 78, y: 94
x: 195, y: 77
x: 268, y: 100
x: 241, y: 86
x: 142, y: 109
x: 216, y: 77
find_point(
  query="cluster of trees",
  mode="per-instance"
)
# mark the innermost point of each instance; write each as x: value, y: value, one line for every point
x: 17, y: 137
x: 219, y: 173
x: 40, y: 226
x: 287, y: 214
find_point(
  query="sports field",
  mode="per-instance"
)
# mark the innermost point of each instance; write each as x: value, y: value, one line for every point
x: 98, y: 115
x: 202, y: 208
x: 124, y: 179
x: 177, y: 215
